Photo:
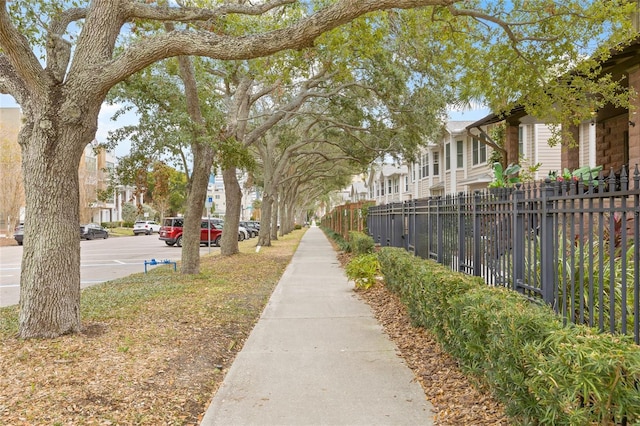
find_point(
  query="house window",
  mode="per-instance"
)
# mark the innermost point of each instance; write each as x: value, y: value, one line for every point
x: 459, y: 154
x: 389, y: 186
x: 425, y: 165
x: 436, y: 163
x: 406, y: 184
x: 447, y: 156
x: 91, y: 164
x: 521, y: 140
x: 382, y: 187
x: 479, y: 152
x: 396, y: 185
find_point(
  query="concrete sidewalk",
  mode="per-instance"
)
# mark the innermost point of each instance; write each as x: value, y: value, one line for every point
x: 318, y: 357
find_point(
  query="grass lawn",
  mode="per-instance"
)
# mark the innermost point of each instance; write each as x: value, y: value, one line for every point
x: 154, y: 347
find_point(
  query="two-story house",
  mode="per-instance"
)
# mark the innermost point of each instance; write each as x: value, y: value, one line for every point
x: 526, y: 142
x: 388, y: 183
x: 611, y: 139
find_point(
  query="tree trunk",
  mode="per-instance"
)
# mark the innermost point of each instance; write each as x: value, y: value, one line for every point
x: 52, y: 145
x: 233, y: 195
x: 275, y: 218
x: 196, y: 194
x: 264, y: 236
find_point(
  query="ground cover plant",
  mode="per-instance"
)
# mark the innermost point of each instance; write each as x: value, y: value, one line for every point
x: 543, y: 372
x: 156, y: 347
x: 456, y: 399
x: 153, y: 350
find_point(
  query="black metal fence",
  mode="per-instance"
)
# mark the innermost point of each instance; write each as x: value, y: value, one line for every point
x: 571, y: 244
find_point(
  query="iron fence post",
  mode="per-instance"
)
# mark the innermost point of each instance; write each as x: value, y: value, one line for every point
x: 429, y: 233
x: 412, y: 227
x: 518, y: 237
x: 405, y: 225
x: 440, y: 232
x: 477, y: 238
x: 547, y: 237
x: 461, y: 231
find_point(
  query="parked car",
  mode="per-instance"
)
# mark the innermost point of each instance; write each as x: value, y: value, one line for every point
x: 251, y: 228
x: 171, y: 231
x: 92, y: 231
x: 18, y: 233
x: 146, y: 227
x: 243, y: 233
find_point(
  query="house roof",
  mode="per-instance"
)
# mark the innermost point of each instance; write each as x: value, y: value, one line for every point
x: 457, y: 126
x: 390, y: 170
x: 358, y: 187
x: 621, y: 59
x: 512, y: 116
x: 483, y: 178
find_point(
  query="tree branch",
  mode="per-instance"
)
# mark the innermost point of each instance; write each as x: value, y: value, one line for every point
x: 16, y: 48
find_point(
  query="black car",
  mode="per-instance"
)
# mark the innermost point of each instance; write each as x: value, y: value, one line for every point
x: 92, y: 231
x: 18, y: 233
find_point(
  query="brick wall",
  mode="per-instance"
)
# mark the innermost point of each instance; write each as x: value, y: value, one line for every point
x: 511, y: 145
x: 610, y: 137
x: 570, y: 156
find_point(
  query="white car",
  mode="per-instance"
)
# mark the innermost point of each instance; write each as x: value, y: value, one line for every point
x: 146, y: 227
x: 243, y: 233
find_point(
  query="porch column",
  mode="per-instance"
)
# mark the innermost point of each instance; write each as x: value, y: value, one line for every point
x: 634, y: 117
x: 511, y: 145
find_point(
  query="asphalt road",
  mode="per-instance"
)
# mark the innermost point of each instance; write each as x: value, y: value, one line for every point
x: 100, y: 261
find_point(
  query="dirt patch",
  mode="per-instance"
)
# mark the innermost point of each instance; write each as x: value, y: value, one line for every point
x: 7, y: 241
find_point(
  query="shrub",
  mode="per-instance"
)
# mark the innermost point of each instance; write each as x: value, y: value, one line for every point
x: 337, y: 238
x: 363, y: 270
x: 544, y: 372
x: 361, y: 243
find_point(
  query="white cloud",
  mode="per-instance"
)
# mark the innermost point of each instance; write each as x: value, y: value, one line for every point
x: 106, y: 124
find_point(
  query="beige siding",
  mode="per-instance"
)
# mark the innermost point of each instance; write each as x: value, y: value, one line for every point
x: 548, y: 157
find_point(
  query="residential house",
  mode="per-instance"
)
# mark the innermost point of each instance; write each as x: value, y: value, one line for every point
x: 389, y: 183
x: 526, y: 142
x: 358, y: 192
x: 460, y: 161
x: 612, y: 137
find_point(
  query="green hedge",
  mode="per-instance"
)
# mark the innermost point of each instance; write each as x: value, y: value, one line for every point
x: 111, y: 224
x: 361, y: 243
x: 341, y: 242
x: 544, y: 372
